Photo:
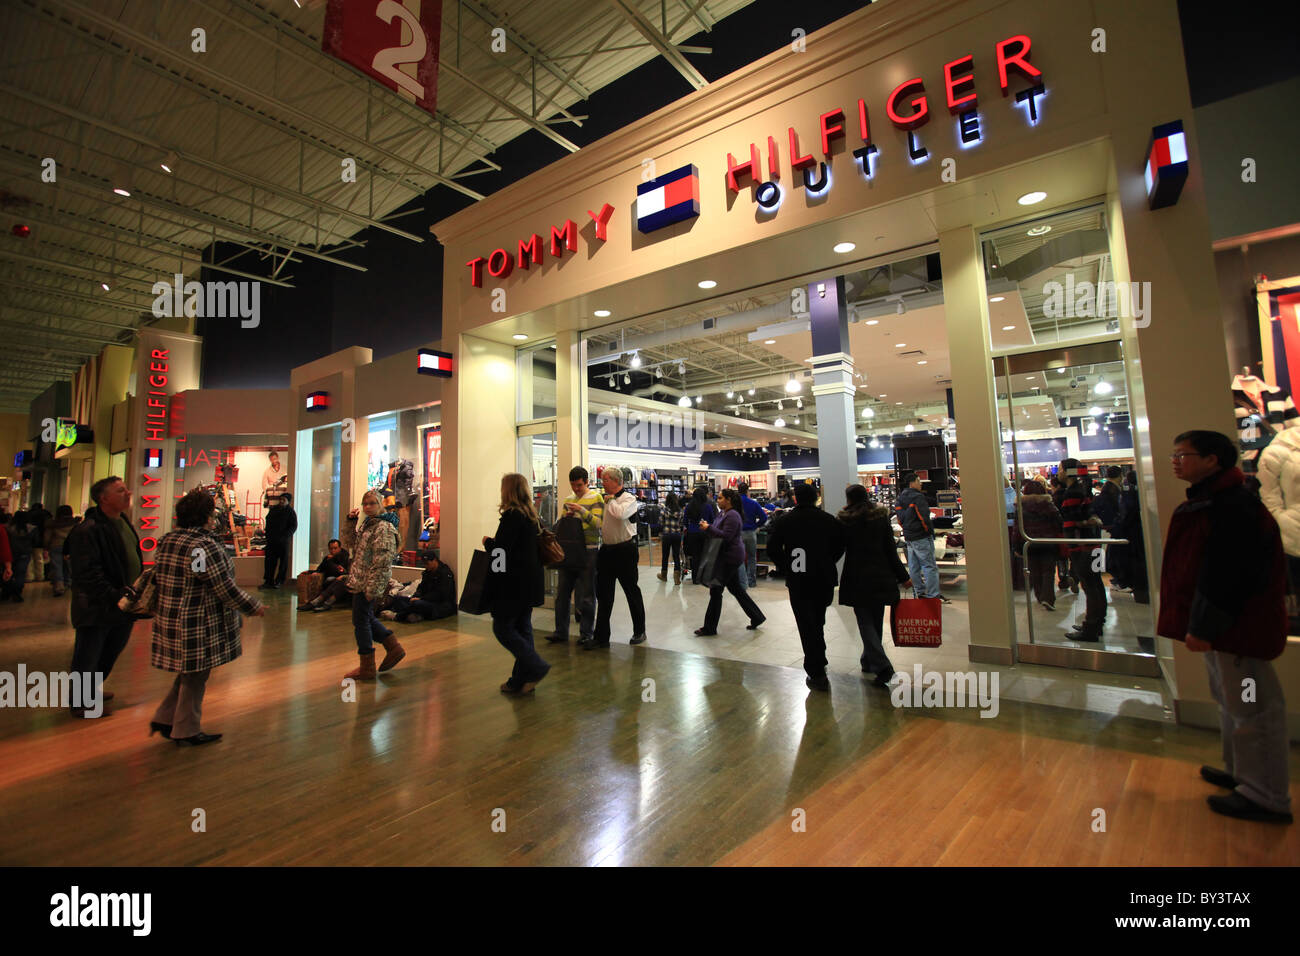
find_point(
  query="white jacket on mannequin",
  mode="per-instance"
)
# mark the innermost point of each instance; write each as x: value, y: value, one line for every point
x: 1279, y: 485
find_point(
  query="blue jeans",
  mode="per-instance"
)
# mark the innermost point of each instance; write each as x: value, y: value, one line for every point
x: 514, y: 629
x: 365, y: 625
x: 581, y: 584
x: 751, y: 556
x: 922, y: 567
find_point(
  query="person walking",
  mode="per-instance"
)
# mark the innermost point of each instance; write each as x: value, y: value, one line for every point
x: 913, y: 511
x: 670, y: 537
x: 871, y: 577
x: 728, y: 572
x: 372, y: 542
x: 21, y: 546
x: 1064, y: 581
x: 515, y: 585
x: 56, y: 535
x: 280, y: 524
x: 577, y: 578
x: 753, y: 517
x: 804, y: 545
x: 106, y: 561
x: 435, y: 597
x: 616, y: 561
x: 196, y: 626
x: 1041, y: 520
x: 698, y: 509
x: 1223, y: 594
x: 1131, y: 558
x: 1074, y: 502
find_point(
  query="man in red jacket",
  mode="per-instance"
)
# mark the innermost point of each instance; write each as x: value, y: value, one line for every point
x: 1223, y: 593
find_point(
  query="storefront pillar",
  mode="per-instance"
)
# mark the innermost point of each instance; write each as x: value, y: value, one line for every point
x: 833, y: 388
x: 988, y: 564
x: 570, y: 402
x: 773, y: 468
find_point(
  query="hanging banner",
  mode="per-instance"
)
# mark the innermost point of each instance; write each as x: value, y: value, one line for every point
x: 433, y: 475
x: 393, y: 43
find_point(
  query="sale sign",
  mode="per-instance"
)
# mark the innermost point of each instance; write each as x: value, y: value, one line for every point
x: 433, y: 474
x: 395, y: 43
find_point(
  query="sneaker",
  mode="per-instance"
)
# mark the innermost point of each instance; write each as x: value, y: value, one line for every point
x: 321, y: 607
x: 1235, y: 805
x: 388, y: 615
x: 944, y: 599
x: 306, y: 606
x: 638, y: 638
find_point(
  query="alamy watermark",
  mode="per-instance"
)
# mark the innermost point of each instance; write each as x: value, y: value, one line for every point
x: 77, y: 909
x: 70, y: 691
x: 675, y: 431
x: 1098, y: 300
x: 210, y: 300
x: 947, y: 689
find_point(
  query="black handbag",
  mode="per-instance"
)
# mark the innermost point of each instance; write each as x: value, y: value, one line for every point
x: 474, y: 597
x: 711, y: 565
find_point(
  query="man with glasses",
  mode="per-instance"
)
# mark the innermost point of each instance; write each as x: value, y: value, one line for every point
x: 1223, y: 594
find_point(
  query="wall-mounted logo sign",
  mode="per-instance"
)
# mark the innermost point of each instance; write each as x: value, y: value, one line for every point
x: 564, y: 238
x: 65, y: 435
x: 433, y: 362
x: 318, y: 401
x: 394, y: 44
x: 670, y: 198
x: 23, y: 459
x: 908, y: 109
x: 1166, y: 168
x: 153, y: 457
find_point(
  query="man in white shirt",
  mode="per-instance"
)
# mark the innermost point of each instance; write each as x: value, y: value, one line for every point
x: 617, y: 561
x: 274, y: 481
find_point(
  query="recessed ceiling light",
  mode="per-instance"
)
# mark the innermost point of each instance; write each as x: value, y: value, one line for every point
x: 121, y: 191
x: 883, y: 395
x: 706, y: 284
x: 519, y: 336
x: 900, y: 345
x: 868, y: 412
x: 873, y: 321
x: 923, y: 362
x: 998, y: 298
x: 601, y: 313
x: 769, y: 341
x: 1008, y: 328
x: 898, y: 403
x: 1039, y: 230
x: 843, y: 247
x: 105, y: 287
x: 1094, y: 411
x: 1029, y: 199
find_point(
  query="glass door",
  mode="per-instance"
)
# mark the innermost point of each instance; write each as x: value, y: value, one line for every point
x: 535, y: 459
x: 1074, y: 527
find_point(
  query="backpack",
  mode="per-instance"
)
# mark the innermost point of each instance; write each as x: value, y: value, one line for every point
x: 571, y: 538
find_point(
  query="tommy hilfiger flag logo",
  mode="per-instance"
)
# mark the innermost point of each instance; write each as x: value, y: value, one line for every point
x: 317, y: 401
x: 433, y: 362
x: 670, y: 198
x: 1166, y: 168
x: 153, y: 457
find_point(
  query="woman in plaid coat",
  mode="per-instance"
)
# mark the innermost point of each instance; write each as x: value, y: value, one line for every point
x: 196, y: 624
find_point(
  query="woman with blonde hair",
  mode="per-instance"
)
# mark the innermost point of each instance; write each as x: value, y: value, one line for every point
x: 514, y: 585
x: 373, y: 547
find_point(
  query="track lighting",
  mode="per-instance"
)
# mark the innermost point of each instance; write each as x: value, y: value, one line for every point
x: 908, y: 427
x: 698, y: 399
x: 731, y: 392
x: 611, y: 381
x: 793, y: 385
x: 684, y: 402
x: 636, y: 360
x: 659, y: 373
x: 780, y: 405
x: 681, y: 368
x: 902, y: 307
x: 780, y: 422
x: 1103, y: 387
x: 751, y: 391
x: 168, y: 162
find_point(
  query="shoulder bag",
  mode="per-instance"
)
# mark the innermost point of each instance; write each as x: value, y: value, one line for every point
x: 141, y: 598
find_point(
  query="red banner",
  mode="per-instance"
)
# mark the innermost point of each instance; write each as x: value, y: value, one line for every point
x: 433, y: 475
x: 391, y: 42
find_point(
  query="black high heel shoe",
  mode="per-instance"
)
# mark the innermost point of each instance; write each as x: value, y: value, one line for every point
x: 199, y: 738
x: 157, y: 728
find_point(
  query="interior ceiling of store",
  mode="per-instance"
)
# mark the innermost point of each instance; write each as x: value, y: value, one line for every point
x: 253, y: 131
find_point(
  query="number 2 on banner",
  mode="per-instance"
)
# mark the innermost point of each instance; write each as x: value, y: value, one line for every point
x: 386, y: 62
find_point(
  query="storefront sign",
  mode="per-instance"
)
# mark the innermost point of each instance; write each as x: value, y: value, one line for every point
x: 671, y: 198
x: 1166, y: 168
x: 433, y: 362
x: 433, y: 474
x: 66, y: 434
x: 380, y: 37
x: 318, y: 401
x: 564, y: 238
x: 155, y: 406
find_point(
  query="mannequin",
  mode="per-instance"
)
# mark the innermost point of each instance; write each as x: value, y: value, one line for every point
x: 1263, y: 411
x: 1279, y: 488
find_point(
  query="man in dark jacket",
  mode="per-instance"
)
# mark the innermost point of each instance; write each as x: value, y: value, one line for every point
x: 1223, y: 593
x: 335, y: 563
x: 434, y: 599
x: 805, y: 545
x: 913, y: 511
x: 1074, y: 501
x: 106, y: 560
x: 280, y: 524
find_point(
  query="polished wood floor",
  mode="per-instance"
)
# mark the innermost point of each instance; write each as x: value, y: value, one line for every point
x: 587, y: 772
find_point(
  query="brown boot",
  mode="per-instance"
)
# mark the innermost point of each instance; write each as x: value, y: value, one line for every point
x: 677, y: 577
x: 393, y: 653
x: 367, y: 669
x: 662, y: 577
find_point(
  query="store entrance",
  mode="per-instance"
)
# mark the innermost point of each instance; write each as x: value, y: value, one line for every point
x: 1074, y: 517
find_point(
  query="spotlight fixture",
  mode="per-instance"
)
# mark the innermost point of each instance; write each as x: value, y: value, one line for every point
x: 799, y: 402
x: 731, y: 392
x: 636, y: 359
x: 737, y: 411
x: 875, y: 442
x: 684, y: 402
x: 706, y: 284
x: 780, y: 405
x: 681, y: 367
x: 751, y: 391
x: 868, y: 412
x: 908, y: 427
x: 611, y: 381
x: 796, y: 419
x: 698, y: 399
x: 780, y: 422
x: 902, y: 307
x: 519, y: 336
x: 1103, y: 387
x: 627, y: 378
x: 1117, y: 403
x: 105, y: 286
x: 793, y: 385
x: 168, y: 162
x: 659, y: 373
x: 1094, y: 411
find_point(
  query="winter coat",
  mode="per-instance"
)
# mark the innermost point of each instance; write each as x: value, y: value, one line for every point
x: 1074, y: 502
x: 437, y: 587
x: 281, y: 521
x: 197, y: 624
x: 913, y: 511
x: 20, y: 535
x: 1041, y: 520
x: 515, y: 583
x: 1223, y: 576
x: 1279, y: 485
x: 335, y: 566
x: 56, y: 531
x: 696, y: 511
x: 872, y: 569
x: 6, y: 556
x: 727, y: 525
x: 1106, y: 505
x: 822, y: 539
x: 99, y: 570
x: 373, y: 549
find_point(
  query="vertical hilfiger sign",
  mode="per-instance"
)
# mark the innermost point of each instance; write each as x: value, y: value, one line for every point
x: 670, y: 198
x: 1166, y: 168
x: 433, y: 362
x: 155, y: 429
x: 318, y: 401
x: 908, y: 110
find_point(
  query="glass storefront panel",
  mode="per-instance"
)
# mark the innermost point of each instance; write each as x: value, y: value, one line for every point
x: 404, y: 465
x: 535, y: 367
x: 535, y: 459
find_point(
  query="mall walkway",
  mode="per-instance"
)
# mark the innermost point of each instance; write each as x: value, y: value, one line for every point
x: 589, y: 771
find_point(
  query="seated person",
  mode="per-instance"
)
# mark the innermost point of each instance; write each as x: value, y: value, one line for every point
x: 336, y: 562
x: 333, y: 570
x: 435, y: 597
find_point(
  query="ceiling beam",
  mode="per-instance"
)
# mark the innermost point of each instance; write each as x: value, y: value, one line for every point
x: 78, y: 297
x: 509, y: 107
x: 661, y: 43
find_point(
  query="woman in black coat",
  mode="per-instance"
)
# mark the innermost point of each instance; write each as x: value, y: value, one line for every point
x: 871, y: 577
x: 21, y: 543
x: 514, y: 583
